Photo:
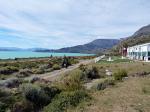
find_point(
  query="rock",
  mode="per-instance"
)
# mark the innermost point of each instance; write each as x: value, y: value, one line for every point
x: 108, y: 73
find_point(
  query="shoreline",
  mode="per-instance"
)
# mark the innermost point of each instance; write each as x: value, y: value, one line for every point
x: 15, y: 55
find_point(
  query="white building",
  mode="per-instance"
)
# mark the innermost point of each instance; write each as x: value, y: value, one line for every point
x: 139, y: 52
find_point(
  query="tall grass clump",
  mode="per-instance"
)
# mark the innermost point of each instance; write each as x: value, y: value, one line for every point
x: 120, y: 74
x: 56, y: 67
x: 104, y: 83
x: 73, y: 81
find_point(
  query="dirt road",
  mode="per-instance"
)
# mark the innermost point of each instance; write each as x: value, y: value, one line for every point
x: 51, y: 76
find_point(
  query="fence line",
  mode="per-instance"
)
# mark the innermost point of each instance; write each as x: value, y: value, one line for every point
x: 99, y: 58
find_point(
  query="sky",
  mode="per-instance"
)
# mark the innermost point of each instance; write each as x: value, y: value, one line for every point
x: 62, y: 23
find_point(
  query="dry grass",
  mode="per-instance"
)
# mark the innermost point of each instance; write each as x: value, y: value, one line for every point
x: 131, y: 67
x: 132, y: 95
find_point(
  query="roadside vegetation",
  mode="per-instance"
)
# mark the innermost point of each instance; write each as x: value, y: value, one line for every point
x: 25, y: 67
x: 98, y: 87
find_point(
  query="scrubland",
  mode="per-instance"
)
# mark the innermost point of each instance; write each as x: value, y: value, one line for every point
x: 86, y: 89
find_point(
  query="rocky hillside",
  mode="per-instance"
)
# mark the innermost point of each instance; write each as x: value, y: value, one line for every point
x: 139, y: 37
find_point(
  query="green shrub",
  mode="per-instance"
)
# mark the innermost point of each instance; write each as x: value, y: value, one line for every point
x: 8, y: 70
x: 82, y: 67
x: 146, y: 89
x: 3, y: 107
x: 37, y: 95
x: 6, y: 100
x: 23, y: 106
x: 64, y: 100
x: 56, y: 67
x: 45, y: 66
x: 120, y: 74
x: 11, y: 83
x: 102, y: 84
x: 24, y: 73
x: 91, y: 73
x: 48, y: 70
x: 38, y: 71
x: 73, y: 61
x: 73, y: 81
x: 51, y: 91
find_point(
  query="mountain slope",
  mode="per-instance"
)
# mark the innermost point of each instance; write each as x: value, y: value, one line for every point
x: 139, y: 37
x: 95, y: 46
x: 142, y: 31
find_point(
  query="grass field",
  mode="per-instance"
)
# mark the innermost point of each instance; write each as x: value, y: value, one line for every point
x: 130, y: 66
x: 132, y: 95
x: 115, y: 59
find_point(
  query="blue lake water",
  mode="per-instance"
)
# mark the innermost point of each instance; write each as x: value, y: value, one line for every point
x: 28, y: 54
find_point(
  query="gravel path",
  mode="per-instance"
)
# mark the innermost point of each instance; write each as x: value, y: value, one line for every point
x: 51, y: 76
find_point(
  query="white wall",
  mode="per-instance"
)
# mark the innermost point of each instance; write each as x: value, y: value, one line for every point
x: 144, y: 48
x: 148, y: 47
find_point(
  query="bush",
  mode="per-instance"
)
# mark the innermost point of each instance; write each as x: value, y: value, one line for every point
x: 8, y: 70
x: 3, y: 107
x: 104, y: 84
x: 45, y: 66
x: 11, y: 83
x: 38, y: 71
x: 120, y: 74
x: 37, y: 95
x: 23, y: 106
x: 64, y: 100
x: 82, y: 67
x: 24, y: 73
x: 51, y: 91
x: 56, y: 67
x: 73, y: 61
x: 91, y: 73
x: 73, y: 81
x: 6, y: 100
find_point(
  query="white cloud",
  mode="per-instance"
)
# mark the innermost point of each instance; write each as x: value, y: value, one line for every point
x: 59, y: 23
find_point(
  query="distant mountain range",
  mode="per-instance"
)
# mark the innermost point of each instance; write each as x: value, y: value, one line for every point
x: 10, y: 49
x: 96, y: 46
x: 21, y: 49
